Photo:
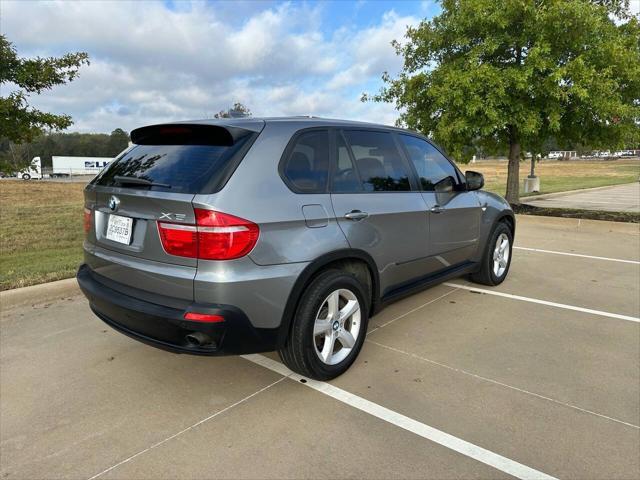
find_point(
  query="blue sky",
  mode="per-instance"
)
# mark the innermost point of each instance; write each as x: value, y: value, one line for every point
x: 336, y: 13
x: 154, y: 61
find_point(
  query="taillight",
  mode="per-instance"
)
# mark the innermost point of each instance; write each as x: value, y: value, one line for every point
x: 87, y: 220
x: 222, y: 236
x: 216, y: 236
x: 180, y: 240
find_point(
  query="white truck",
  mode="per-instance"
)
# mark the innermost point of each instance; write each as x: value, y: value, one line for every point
x: 33, y: 171
x: 67, y: 166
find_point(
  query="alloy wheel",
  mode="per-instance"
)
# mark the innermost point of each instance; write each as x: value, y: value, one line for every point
x: 337, y: 326
x: 501, y: 254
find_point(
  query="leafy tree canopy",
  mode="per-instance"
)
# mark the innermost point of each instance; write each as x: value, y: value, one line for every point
x: 18, y: 121
x: 510, y: 74
x: 237, y: 111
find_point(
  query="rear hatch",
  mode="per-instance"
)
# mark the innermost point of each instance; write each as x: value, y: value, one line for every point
x: 153, y: 183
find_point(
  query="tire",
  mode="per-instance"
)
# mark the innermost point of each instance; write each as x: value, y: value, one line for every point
x: 310, y: 355
x: 490, y: 273
x: 26, y: 176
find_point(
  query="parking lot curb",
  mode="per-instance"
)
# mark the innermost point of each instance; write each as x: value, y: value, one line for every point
x: 35, y: 294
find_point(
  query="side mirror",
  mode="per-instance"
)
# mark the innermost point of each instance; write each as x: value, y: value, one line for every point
x: 475, y: 180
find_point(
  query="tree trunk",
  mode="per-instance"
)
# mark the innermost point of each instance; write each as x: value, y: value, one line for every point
x: 513, y: 175
x: 533, y: 165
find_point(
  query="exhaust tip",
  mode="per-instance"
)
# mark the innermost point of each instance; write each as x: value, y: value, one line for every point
x: 198, y: 339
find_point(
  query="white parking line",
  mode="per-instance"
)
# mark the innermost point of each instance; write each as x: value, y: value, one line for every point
x: 456, y: 444
x: 539, y: 250
x: 544, y: 302
x: 162, y: 442
x: 495, y: 382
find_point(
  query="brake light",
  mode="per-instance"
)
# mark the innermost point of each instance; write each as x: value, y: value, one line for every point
x: 174, y: 130
x: 216, y: 236
x: 87, y: 220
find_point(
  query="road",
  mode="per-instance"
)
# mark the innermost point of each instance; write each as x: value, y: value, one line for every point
x: 537, y: 378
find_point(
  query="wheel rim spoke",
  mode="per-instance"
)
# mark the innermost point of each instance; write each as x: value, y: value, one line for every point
x: 321, y: 327
x: 349, y: 309
x: 346, y: 339
x: 332, y: 304
x: 329, y: 345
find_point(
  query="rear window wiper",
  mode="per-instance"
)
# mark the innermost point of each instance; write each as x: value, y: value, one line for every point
x: 138, y: 181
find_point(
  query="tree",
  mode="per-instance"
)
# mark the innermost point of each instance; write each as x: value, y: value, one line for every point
x: 118, y: 141
x: 237, y: 111
x: 510, y: 74
x: 18, y: 121
x: 14, y: 157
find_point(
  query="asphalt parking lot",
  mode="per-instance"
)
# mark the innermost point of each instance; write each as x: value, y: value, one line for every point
x: 537, y: 378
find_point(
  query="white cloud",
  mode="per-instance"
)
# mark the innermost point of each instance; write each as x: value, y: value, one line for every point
x: 370, y: 51
x: 152, y: 64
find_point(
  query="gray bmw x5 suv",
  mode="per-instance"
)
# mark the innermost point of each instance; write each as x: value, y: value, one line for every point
x: 237, y: 236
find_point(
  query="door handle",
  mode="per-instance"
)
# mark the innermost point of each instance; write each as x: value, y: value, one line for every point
x: 356, y: 215
x: 436, y: 209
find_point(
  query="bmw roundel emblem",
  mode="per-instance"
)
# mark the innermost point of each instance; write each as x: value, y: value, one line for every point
x: 114, y: 202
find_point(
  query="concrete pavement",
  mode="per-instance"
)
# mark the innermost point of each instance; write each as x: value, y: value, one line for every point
x: 553, y: 389
x: 618, y: 198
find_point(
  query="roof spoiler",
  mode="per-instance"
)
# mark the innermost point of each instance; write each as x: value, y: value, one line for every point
x: 188, y: 134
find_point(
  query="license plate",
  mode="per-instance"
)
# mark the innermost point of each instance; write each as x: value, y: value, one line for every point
x: 119, y: 229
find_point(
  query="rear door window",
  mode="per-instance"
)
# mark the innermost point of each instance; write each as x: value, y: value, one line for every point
x: 175, y: 168
x: 306, y: 167
x: 378, y: 161
x: 345, y: 175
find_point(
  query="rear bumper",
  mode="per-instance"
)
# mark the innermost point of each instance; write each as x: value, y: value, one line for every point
x: 165, y: 327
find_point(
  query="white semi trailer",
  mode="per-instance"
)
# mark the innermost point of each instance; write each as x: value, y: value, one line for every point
x: 67, y: 166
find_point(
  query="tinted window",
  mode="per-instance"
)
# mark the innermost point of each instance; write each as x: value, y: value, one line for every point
x: 185, y: 168
x: 378, y: 161
x: 345, y: 176
x: 430, y: 164
x: 307, y: 165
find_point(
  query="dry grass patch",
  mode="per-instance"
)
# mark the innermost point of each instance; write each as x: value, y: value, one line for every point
x: 560, y: 176
x: 41, y: 231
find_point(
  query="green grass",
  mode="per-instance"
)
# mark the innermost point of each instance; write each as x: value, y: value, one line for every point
x: 41, y: 232
x: 555, y: 184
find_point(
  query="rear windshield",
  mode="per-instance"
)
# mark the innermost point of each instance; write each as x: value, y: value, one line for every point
x: 176, y: 168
